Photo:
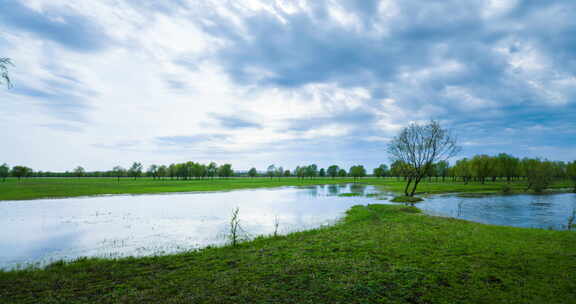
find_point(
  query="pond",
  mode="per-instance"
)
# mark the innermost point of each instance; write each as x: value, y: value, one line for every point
x: 42, y: 231
x: 550, y: 211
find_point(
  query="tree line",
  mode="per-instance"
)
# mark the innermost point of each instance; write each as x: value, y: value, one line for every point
x: 180, y: 171
x: 311, y: 171
x: 538, y: 173
x: 184, y: 171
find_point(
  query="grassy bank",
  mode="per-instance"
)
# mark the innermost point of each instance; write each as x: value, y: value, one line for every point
x: 436, y: 187
x: 34, y: 188
x: 378, y: 254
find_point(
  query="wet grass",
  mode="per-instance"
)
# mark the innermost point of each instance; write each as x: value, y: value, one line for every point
x: 406, y: 199
x: 378, y: 254
x: 437, y: 186
x: 350, y: 194
x: 35, y: 188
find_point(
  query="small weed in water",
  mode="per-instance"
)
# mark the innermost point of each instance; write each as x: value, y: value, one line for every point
x: 236, y: 233
x: 276, y: 225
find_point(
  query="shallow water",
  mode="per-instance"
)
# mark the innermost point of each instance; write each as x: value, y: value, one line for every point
x: 42, y: 231
x: 530, y: 211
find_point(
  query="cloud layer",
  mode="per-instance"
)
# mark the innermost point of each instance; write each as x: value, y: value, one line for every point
x: 285, y: 82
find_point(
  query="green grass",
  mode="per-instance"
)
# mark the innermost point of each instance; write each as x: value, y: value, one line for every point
x: 34, y: 188
x: 406, y: 199
x: 377, y: 254
x: 436, y: 187
x: 353, y: 194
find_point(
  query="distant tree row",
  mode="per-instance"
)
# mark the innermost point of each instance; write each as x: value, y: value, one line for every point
x: 311, y: 171
x: 184, y: 171
x: 193, y: 170
x: 538, y: 173
x: 16, y: 171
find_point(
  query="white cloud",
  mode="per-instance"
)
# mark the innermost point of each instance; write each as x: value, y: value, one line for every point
x: 160, y: 76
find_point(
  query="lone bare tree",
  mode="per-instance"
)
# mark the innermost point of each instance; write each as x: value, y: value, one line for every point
x: 4, y: 78
x: 418, y: 147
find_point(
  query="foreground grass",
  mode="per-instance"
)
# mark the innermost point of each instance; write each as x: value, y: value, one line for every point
x: 378, y: 254
x: 35, y: 188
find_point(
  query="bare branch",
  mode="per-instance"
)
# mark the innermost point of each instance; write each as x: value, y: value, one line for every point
x: 4, y: 77
x: 419, y: 147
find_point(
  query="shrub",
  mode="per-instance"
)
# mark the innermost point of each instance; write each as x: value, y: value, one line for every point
x: 506, y: 189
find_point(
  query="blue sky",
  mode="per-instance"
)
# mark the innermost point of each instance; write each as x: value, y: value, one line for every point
x: 107, y: 82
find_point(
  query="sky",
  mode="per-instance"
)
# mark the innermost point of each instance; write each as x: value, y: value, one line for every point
x: 107, y: 82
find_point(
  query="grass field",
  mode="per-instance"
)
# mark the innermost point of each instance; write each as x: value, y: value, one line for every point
x: 377, y: 254
x: 34, y: 188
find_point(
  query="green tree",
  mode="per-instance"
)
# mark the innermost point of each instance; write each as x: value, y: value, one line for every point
x: 463, y: 169
x: 153, y: 171
x: 322, y: 173
x: 312, y: 171
x: 571, y: 173
x: 162, y: 171
x: 381, y: 171
x: 4, y: 171
x: 212, y: 169
x: 357, y: 172
x: 135, y: 170
x: 483, y: 166
x: 333, y: 171
x: 181, y: 171
x: 118, y: 171
x: 199, y: 170
x: 300, y: 172
x: 508, y: 166
x: 342, y: 173
x: 559, y: 168
x: 399, y: 169
x: 539, y: 174
x: 79, y: 171
x: 4, y: 76
x: 279, y: 172
x: 21, y: 171
x: 173, y: 171
x: 252, y: 172
x: 421, y: 146
x: 271, y: 171
x: 442, y: 169
x: 225, y: 170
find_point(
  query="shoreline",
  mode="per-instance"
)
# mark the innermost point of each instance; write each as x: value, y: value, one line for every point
x: 73, y: 188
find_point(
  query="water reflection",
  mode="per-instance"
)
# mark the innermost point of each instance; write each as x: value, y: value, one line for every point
x: 41, y: 231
